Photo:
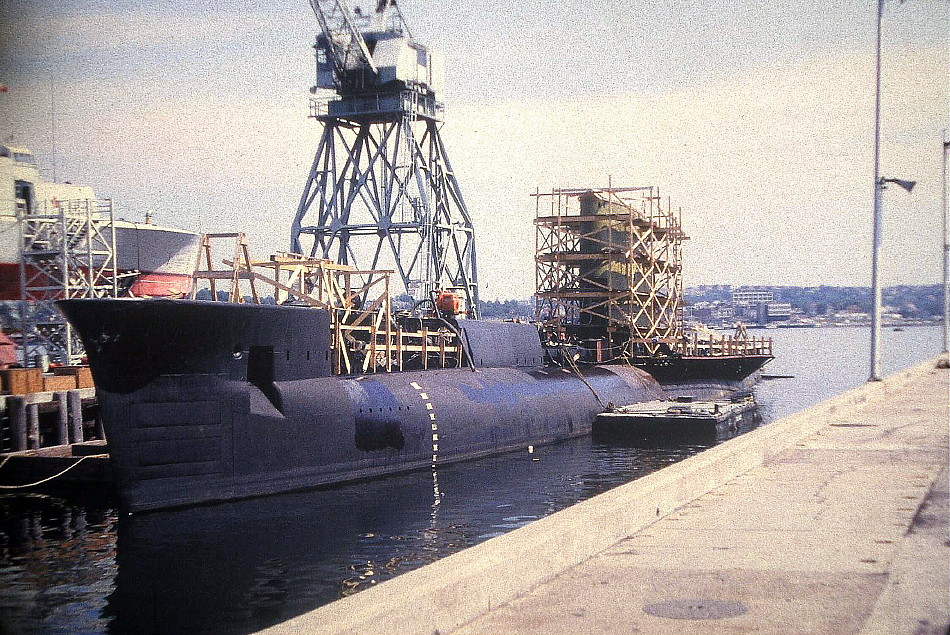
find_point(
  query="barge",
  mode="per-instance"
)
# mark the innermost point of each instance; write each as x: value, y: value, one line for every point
x: 673, y: 417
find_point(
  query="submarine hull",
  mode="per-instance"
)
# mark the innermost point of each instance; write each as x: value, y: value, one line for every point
x: 205, y: 401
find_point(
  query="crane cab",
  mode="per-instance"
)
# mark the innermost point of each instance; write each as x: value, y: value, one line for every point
x: 400, y: 62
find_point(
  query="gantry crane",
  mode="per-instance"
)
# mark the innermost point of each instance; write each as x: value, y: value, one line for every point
x: 381, y: 193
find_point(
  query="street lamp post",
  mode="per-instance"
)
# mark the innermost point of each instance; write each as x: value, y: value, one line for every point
x: 945, y: 240
x: 880, y: 184
x: 876, y: 230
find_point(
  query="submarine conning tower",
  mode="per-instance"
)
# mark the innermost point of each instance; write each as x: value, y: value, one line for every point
x: 608, y: 269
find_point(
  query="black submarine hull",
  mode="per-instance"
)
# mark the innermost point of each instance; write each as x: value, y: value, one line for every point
x: 205, y: 401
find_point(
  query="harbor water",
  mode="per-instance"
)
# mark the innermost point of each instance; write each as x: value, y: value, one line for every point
x: 78, y: 566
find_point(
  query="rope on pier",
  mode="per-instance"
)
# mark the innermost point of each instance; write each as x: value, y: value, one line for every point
x: 54, y: 476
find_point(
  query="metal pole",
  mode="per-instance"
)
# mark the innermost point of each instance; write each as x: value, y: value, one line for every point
x: 876, y: 232
x: 945, y: 359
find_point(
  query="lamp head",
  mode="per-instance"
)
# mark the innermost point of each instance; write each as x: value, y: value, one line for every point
x: 907, y: 185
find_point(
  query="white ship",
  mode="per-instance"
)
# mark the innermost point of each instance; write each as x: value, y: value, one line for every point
x: 152, y: 260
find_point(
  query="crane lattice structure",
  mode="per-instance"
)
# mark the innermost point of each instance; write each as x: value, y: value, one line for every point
x: 608, y: 268
x: 381, y: 194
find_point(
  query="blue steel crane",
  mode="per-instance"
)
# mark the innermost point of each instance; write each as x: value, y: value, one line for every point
x: 381, y: 193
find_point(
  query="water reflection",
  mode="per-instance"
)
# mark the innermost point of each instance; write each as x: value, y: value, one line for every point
x: 53, y: 557
x: 238, y: 567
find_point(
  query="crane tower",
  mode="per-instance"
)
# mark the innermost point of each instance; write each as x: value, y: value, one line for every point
x: 381, y: 192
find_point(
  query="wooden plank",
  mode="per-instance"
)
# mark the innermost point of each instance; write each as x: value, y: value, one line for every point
x: 222, y: 275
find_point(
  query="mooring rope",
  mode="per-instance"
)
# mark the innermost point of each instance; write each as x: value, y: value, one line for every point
x: 577, y: 371
x: 54, y: 476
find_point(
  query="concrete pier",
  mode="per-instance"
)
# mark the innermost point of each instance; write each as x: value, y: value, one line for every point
x: 833, y: 520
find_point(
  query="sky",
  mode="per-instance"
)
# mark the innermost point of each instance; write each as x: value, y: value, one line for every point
x: 755, y: 118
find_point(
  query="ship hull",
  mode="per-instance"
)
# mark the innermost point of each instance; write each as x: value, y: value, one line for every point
x: 206, y: 402
x: 702, y: 377
x: 162, y: 259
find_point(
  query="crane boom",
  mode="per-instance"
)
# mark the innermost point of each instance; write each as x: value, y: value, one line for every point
x: 345, y: 46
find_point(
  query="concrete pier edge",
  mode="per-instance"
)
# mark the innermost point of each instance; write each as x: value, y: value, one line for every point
x: 443, y: 596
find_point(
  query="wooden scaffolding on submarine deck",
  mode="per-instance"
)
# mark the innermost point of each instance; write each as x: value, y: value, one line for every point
x: 608, y: 269
x: 609, y: 277
x: 365, y: 337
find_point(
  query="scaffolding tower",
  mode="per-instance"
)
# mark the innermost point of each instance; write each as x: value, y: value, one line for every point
x: 608, y: 269
x: 66, y: 251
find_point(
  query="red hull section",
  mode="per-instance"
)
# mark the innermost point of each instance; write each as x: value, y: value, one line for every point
x: 161, y: 285
x: 10, y: 281
x: 145, y: 285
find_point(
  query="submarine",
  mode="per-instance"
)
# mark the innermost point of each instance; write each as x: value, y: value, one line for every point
x: 210, y: 401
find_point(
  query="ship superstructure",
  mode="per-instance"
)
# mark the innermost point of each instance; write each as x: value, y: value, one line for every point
x: 58, y: 240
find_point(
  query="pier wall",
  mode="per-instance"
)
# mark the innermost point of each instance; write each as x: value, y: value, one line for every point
x: 480, y: 586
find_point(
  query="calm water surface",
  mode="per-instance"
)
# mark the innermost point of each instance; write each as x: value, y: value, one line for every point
x: 80, y: 567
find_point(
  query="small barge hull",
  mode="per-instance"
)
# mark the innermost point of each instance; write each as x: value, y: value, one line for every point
x: 673, y: 418
x: 206, y: 401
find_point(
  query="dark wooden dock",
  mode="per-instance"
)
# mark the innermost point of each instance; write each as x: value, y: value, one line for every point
x: 51, y: 436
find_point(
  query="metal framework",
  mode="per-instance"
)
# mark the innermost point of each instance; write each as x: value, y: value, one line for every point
x: 608, y: 261
x: 381, y: 193
x: 66, y: 251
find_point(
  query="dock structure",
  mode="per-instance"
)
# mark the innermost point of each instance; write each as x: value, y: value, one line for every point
x: 832, y: 520
x: 22, y: 416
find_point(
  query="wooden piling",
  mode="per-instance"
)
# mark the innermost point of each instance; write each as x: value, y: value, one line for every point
x: 100, y: 429
x: 74, y: 405
x: 62, y: 418
x: 33, y: 426
x: 16, y: 405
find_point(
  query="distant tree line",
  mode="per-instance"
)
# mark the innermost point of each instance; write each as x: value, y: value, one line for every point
x: 506, y: 309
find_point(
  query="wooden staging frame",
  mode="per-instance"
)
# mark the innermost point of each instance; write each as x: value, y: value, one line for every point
x: 608, y: 268
x: 365, y: 338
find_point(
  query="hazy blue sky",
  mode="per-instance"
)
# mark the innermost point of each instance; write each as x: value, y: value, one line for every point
x: 755, y: 117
